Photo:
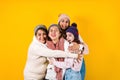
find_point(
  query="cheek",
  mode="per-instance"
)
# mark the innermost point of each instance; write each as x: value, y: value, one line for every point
x: 37, y: 37
x: 49, y: 35
x: 67, y: 24
x: 59, y: 34
x: 71, y: 38
x: 68, y: 37
x: 61, y: 23
x: 45, y: 36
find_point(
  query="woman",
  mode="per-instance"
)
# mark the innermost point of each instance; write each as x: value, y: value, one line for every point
x: 37, y: 62
x: 64, y: 23
x: 56, y: 42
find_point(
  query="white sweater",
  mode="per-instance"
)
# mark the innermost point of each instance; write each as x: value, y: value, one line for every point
x: 86, y: 49
x: 36, y: 64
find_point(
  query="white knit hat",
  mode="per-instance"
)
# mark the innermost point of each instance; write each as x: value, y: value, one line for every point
x: 62, y: 16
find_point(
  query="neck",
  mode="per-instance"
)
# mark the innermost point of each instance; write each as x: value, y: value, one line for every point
x: 55, y: 41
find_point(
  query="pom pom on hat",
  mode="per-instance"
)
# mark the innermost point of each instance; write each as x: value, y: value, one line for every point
x: 74, y: 25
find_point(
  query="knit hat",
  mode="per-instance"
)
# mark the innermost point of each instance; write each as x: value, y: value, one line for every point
x: 62, y: 16
x: 40, y: 27
x: 73, y: 29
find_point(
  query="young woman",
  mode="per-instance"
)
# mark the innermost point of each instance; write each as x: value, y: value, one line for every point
x: 56, y: 42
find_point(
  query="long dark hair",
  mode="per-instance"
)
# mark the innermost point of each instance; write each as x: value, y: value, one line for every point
x: 63, y: 31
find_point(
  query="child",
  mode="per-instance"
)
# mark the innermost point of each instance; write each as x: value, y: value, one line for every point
x: 71, y: 65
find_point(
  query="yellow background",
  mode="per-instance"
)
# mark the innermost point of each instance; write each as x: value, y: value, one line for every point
x: 98, y: 23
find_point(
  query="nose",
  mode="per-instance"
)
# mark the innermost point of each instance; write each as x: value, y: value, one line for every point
x: 64, y: 23
x: 42, y: 37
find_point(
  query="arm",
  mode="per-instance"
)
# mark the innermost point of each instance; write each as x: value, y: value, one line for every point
x: 69, y: 63
x: 66, y: 64
x: 86, y: 49
x: 42, y: 51
x: 59, y: 64
x: 77, y: 65
x: 76, y: 47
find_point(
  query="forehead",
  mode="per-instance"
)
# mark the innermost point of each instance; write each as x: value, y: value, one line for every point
x: 69, y: 33
x: 54, y: 27
x: 64, y: 19
x: 41, y: 31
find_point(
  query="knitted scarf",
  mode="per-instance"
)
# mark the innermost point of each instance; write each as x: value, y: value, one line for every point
x: 58, y: 46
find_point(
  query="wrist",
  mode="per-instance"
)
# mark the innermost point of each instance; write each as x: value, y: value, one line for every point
x: 81, y: 47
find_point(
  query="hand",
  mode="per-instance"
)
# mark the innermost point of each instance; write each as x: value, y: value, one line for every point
x: 51, y: 61
x: 79, y: 57
x: 73, y: 47
x: 76, y: 61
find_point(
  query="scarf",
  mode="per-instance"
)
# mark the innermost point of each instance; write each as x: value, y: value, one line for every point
x: 58, y: 46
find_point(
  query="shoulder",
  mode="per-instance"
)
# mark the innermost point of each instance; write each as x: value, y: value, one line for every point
x: 66, y: 44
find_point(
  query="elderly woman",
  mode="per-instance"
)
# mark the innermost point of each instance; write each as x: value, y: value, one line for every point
x: 37, y: 62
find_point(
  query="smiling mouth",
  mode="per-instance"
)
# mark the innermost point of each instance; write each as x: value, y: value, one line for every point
x: 69, y: 40
x: 63, y: 26
x: 53, y: 35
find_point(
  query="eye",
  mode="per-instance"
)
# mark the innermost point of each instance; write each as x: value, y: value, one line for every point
x: 44, y: 33
x: 70, y: 35
x: 51, y: 30
x: 66, y: 22
x: 57, y: 30
x: 39, y: 34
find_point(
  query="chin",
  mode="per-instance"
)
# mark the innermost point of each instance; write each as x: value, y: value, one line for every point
x: 63, y: 28
x: 42, y: 42
x: 53, y: 38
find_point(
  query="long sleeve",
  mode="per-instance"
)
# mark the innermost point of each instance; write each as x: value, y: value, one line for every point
x: 66, y: 64
x: 69, y: 63
x: 77, y: 65
x: 59, y: 64
x: 44, y: 51
x: 86, y: 49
